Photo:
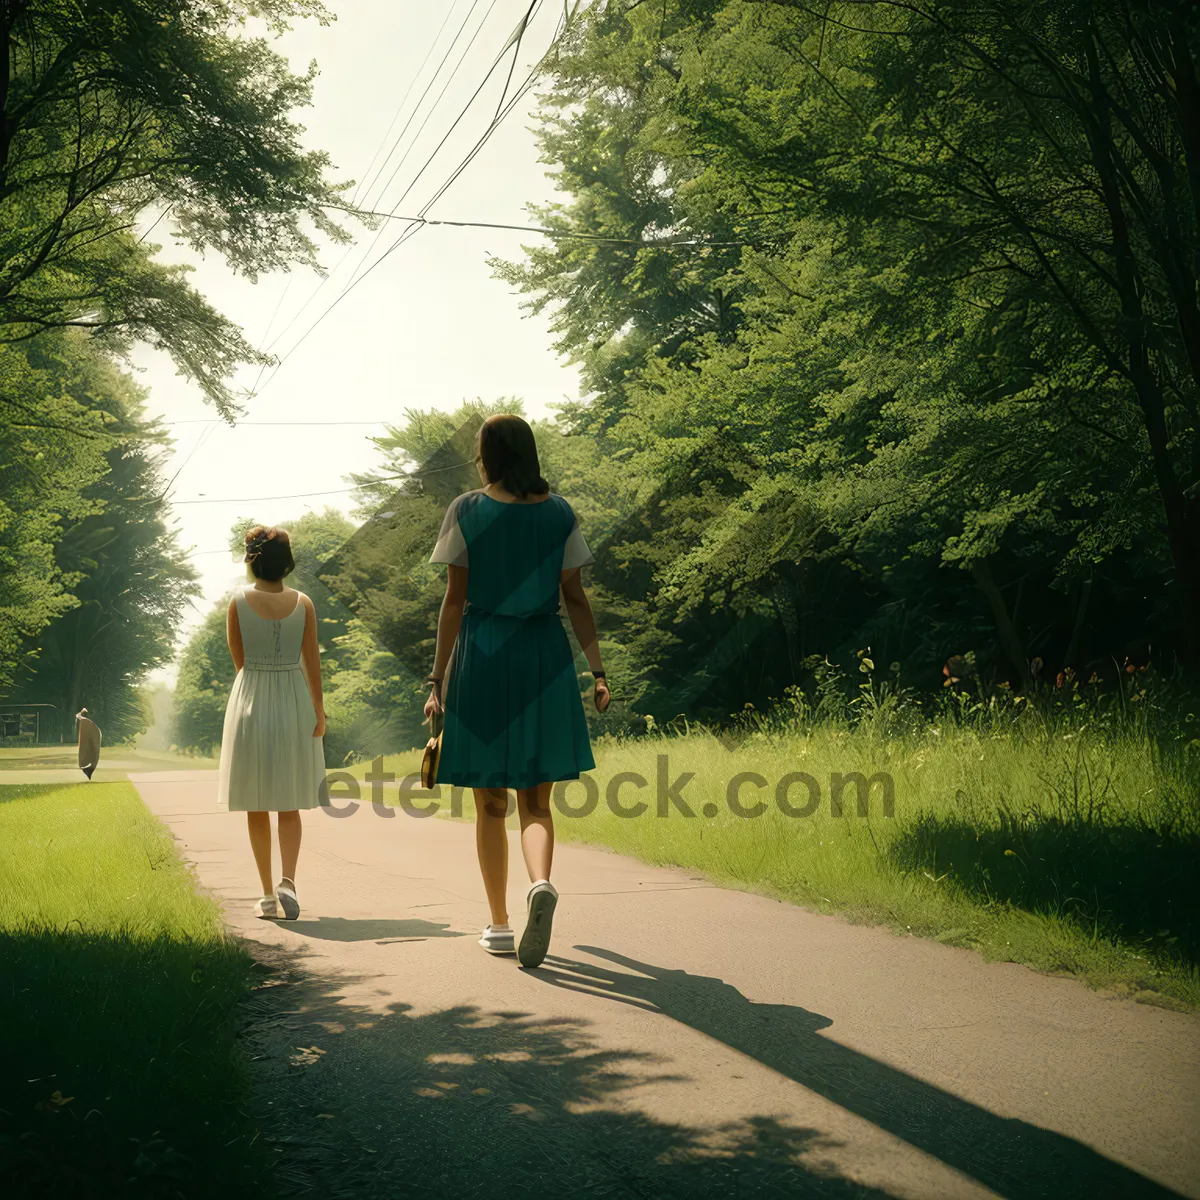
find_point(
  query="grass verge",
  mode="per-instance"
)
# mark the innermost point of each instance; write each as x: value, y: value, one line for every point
x: 119, y: 1069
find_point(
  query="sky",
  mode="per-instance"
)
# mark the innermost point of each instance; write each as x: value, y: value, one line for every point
x: 427, y: 328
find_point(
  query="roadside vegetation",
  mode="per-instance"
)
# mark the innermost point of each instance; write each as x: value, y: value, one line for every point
x: 1061, y: 833
x: 120, y: 1072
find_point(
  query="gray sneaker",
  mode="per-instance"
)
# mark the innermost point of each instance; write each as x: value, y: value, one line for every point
x: 286, y: 893
x: 535, y: 940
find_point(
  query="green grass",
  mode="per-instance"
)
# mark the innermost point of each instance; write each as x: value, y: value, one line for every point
x: 1062, y: 845
x: 119, y: 1069
x: 24, y: 758
x: 1068, y: 853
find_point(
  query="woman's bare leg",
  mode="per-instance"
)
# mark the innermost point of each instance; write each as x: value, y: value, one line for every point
x: 491, y: 844
x: 290, y: 833
x: 537, y: 830
x: 259, y: 825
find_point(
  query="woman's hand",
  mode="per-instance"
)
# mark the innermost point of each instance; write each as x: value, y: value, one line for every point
x: 434, y: 703
x: 319, y: 731
x: 601, y: 694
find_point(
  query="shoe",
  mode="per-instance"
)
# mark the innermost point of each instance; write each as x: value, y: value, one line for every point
x: 497, y: 939
x: 267, y: 908
x: 535, y: 940
x: 286, y: 891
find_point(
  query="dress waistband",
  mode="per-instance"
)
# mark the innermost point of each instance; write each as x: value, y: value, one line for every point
x: 252, y: 666
x: 468, y: 607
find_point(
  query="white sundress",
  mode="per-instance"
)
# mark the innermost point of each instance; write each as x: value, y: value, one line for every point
x: 270, y: 761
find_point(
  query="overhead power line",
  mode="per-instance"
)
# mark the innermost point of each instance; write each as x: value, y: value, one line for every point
x: 563, y: 233
x: 395, y: 145
x: 358, y: 487
x: 404, y: 100
x: 278, y: 424
x: 416, y: 226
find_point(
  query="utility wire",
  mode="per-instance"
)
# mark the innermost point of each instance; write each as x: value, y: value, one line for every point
x: 333, y: 492
x: 280, y: 424
x: 562, y: 233
x: 400, y: 107
x: 357, y: 279
x: 440, y: 97
x: 437, y: 149
x: 395, y: 145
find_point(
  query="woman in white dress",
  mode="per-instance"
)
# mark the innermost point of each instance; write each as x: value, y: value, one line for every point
x: 272, y: 753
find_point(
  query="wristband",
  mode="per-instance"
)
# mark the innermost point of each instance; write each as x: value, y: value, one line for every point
x: 599, y: 675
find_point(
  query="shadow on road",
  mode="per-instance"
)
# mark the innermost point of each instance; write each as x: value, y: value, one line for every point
x: 1012, y: 1157
x: 470, y: 1103
x: 345, y: 929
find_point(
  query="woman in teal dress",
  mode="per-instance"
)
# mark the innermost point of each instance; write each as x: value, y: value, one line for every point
x: 513, y: 713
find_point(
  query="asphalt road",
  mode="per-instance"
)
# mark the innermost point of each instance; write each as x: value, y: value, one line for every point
x: 682, y: 1039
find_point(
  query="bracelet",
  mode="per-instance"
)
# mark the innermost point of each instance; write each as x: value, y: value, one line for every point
x: 599, y: 675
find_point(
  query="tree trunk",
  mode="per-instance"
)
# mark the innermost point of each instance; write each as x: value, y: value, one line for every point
x: 1010, y: 639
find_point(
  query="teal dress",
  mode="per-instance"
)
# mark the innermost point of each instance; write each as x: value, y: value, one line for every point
x: 513, y: 710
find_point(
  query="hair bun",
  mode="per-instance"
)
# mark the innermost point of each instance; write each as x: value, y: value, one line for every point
x: 269, y: 552
x: 260, y: 535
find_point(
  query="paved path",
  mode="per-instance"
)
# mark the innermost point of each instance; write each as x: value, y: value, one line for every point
x: 682, y: 1039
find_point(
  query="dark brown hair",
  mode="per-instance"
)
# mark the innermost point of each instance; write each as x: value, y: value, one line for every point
x: 269, y: 552
x: 509, y: 455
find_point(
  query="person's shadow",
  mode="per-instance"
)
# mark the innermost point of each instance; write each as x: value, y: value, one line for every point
x: 346, y: 929
x: 1012, y: 1157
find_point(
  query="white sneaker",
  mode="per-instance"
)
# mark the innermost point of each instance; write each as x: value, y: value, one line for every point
x: 535, y: 940
x: 267, y: 908
x: 286, y: 891
x: 497, y: 939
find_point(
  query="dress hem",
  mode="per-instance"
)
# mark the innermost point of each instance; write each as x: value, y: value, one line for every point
x: 471, y: 782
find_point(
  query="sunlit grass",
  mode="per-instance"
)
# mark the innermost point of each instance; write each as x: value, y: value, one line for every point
x: 118, y: 997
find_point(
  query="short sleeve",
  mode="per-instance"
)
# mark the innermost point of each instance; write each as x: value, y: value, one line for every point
x: 576, y: 552
x: 451, y: 546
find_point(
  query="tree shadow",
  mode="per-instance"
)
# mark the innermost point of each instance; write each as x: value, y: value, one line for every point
x: 1012, y: 1157
x: 119, y: 1070
x: 467, y: 1102
x: 1126, y: 879
x: 345, y: 929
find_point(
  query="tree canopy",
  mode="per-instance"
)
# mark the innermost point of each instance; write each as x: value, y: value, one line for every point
x: 889, y: 313
x: 110, y: 110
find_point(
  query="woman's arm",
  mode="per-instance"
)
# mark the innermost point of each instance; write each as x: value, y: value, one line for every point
x: 310, y: 656
x: 449, y: 623
x: 233, y: 635
x: 584, y: 625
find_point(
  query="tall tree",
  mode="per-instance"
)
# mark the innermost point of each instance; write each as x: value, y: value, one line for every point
x: 925, y: 355
x: 131, y: 579
x: 52, y: 450
x: 109, y: 110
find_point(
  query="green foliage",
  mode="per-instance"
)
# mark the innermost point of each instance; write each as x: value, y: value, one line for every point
x: 131, y: 578
x: 1054, y: 833
x: 52, y: 450
x: 205, y: 677
x: 110, y: 110
x: 929, y: 380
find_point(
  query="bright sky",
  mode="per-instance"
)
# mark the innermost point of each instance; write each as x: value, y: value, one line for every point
x: 428, y: 328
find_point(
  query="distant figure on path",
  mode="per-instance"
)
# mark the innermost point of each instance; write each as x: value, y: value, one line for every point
x: 513, y: 713
x: 272, y: 752
x: 89, y: 742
